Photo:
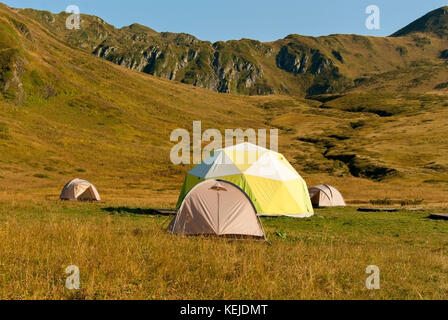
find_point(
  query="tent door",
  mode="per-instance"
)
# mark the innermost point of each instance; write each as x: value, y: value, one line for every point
x: 87, y: 194
x: 315, y: 200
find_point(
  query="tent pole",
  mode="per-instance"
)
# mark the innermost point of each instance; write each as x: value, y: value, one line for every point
x: 219, y: 231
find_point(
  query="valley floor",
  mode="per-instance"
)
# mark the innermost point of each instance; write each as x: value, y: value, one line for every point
x: 123, y: 251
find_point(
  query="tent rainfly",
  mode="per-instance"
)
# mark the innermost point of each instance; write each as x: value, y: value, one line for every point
x: 79, y: 190
x: 217, y: 208
x: 268, y: 179
x: 326, y: 196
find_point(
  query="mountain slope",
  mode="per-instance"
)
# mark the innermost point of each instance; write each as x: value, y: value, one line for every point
x: 296, y: 65
x: 66, y: 113
x: 434, y: 22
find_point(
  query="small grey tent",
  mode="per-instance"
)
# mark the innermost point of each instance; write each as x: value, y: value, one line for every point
x: 326, y: 196
x: 79, y: 190
x: 219, y: 208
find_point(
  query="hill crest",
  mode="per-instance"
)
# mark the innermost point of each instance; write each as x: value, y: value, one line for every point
x: 434, y: 22
x: 296, y: 65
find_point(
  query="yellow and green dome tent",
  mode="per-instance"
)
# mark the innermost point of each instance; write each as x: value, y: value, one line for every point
x: 268, y: 179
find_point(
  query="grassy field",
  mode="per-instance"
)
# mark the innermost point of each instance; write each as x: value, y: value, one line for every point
x: 125, y: 253
x: 65, y: 113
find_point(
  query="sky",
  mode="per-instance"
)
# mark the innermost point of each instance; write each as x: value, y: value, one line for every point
x: 264, y: 20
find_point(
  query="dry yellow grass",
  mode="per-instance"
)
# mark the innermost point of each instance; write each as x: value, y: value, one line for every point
x: 111, y: 126
x: 129, y: 256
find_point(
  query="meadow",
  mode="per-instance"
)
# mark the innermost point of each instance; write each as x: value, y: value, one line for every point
x: 65, y: 113
x: 123, y: 251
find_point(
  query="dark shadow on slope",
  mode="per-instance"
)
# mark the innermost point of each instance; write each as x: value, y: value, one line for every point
x: 139, y: 211
x: 363, y: 167
x: 438, y: 216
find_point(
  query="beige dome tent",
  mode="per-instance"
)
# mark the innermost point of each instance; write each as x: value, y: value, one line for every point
x: 80, y: 190
x: 326, y: 196
x: 216, y: 207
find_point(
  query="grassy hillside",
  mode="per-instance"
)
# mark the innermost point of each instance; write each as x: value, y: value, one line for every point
x: 66, y: 113
x: 296, y: 65
x: 435, y: 22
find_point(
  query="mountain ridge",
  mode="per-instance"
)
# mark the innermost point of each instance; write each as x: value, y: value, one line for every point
x: 435, y: 22
x: 295, y: 65
x: 65, y: 112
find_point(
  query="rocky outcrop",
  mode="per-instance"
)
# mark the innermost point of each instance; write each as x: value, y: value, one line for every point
x: 11, y: 71
x: 323, y: 65
x: 337, y: 55
x: 22, y: 28
x: 235, y: 71
x: 227, y: 67
x: 300, y: 60
x: 189, y: 61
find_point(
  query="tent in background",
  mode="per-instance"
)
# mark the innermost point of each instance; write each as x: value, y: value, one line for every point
x: 268, y: 179
x: 217, y: 208
x: 326, y: 196
x: 79, y: 190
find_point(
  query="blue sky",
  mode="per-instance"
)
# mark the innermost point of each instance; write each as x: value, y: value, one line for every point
x: 264, y: 20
